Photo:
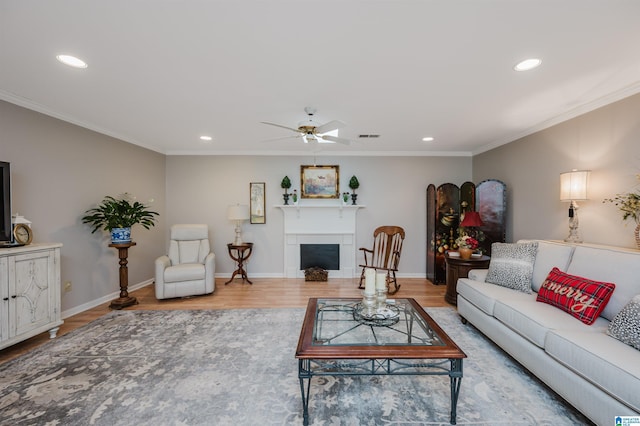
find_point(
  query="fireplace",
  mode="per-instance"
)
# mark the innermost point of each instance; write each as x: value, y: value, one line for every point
x: 325, y: 256
x: 319, y: 225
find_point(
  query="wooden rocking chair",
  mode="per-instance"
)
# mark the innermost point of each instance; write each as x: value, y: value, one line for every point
x: 385, y: 255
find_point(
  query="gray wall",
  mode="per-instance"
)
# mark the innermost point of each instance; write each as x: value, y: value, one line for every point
x: 60, y: 170
x: 605, y: 141
x: 200, y: 188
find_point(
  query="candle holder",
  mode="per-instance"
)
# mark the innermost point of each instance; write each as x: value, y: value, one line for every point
x: 381, y: 298
x: 369, y: 304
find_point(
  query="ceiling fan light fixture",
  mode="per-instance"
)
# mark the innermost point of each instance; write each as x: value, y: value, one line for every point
x: 311, y: 131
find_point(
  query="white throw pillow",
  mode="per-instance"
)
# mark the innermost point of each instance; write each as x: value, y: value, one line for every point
x: 511, y: 265
x: 625, y: 326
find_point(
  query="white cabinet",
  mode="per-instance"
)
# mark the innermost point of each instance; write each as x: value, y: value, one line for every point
x: 29, y: 292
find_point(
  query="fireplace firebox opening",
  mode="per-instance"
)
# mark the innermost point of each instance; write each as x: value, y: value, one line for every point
x: 325, y: 256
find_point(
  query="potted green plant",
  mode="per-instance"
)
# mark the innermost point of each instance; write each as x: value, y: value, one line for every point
x: 118, y: 215
x: 285, y: 184
x: 629, y: 205
x: 354, y: 184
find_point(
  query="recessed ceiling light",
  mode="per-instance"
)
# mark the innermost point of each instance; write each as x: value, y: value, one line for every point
x: 205, y: 138
x: 428, y: 139
x: 72, y: 61
x: 527, y: 64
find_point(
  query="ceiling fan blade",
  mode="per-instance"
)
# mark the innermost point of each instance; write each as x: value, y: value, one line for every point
x: 281, y: 138
x: 336, y: 139
x: 280, y: 125
x: 327, y: 127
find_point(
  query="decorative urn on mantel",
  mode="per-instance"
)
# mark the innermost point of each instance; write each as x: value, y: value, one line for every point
x: 285, y: 184
x: 354, y: 184
x: 118, y: 215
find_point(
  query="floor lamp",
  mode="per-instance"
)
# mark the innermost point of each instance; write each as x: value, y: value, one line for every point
x: 573, y: 187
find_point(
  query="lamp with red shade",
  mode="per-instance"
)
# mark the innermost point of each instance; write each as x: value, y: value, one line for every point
x: 470, y: 221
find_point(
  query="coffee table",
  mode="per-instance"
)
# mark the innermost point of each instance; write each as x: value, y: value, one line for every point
x: 338, y: 340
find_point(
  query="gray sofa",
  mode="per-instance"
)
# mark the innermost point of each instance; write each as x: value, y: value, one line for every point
x: 596, y: 373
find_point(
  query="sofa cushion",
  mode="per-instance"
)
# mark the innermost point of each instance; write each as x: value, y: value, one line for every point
x: 184, y: 272
x: 534, y: 320
x: 484, y: 295
x: 478, y: 274
x: 583, y: 298
x: 609, y: 364
x: 511, y: 265
x: 549, y: 255
x: 625, y: 326
x: 611, y: 265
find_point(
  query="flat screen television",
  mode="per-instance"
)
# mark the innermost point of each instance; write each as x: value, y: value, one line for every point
x: 5, y: 206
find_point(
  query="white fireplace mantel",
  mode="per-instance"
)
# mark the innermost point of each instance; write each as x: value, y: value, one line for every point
x: 320, y: 224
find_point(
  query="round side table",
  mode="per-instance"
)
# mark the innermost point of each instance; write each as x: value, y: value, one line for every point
x: 240, y: 253
x: 459, y: 268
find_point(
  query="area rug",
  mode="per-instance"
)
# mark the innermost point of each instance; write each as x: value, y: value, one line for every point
x: 237, y: 367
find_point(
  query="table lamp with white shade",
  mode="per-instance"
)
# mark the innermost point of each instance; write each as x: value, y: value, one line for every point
x: 573, y: 187
x: 238, y: 213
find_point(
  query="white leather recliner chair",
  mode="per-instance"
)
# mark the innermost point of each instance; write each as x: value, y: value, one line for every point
x: 189, y: 268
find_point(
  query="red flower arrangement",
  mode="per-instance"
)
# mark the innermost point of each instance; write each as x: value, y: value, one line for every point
x: 467, y: 242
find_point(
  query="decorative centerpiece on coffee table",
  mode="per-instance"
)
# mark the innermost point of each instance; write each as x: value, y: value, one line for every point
x: 375, y: 309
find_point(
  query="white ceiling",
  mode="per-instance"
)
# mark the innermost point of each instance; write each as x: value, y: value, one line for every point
x: 163, y: 72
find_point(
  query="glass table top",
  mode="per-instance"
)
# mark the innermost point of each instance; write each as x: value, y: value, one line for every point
x: 340, y: 322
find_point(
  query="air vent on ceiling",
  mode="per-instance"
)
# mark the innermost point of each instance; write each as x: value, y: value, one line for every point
x: 368, y: 136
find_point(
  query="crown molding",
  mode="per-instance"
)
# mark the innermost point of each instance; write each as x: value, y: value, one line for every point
x: 328, y: 153
x: 37, y: 107
x: 603, y: 101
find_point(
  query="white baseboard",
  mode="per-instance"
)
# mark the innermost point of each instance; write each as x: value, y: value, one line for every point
x: 281, y: 275
x: 97, y: 302
x: 89, y: 305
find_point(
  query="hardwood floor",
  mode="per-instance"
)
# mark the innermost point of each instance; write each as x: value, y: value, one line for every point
x: 263, y: 293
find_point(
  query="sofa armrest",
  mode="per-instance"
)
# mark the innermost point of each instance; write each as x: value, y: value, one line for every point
x: 478, y: 274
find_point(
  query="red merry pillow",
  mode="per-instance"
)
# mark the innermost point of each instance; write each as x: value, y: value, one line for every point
x: 581, y: 297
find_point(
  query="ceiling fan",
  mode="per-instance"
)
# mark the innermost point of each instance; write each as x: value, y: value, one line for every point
x: 312, y: 131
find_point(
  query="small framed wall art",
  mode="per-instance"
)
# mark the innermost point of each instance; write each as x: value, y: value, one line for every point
x: 257, y: 203
x: 320, y: 181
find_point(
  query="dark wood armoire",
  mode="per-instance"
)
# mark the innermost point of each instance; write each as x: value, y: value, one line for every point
x: 447, y: 204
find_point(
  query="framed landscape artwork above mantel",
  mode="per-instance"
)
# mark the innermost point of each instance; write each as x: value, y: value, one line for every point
x: 320, y: 181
